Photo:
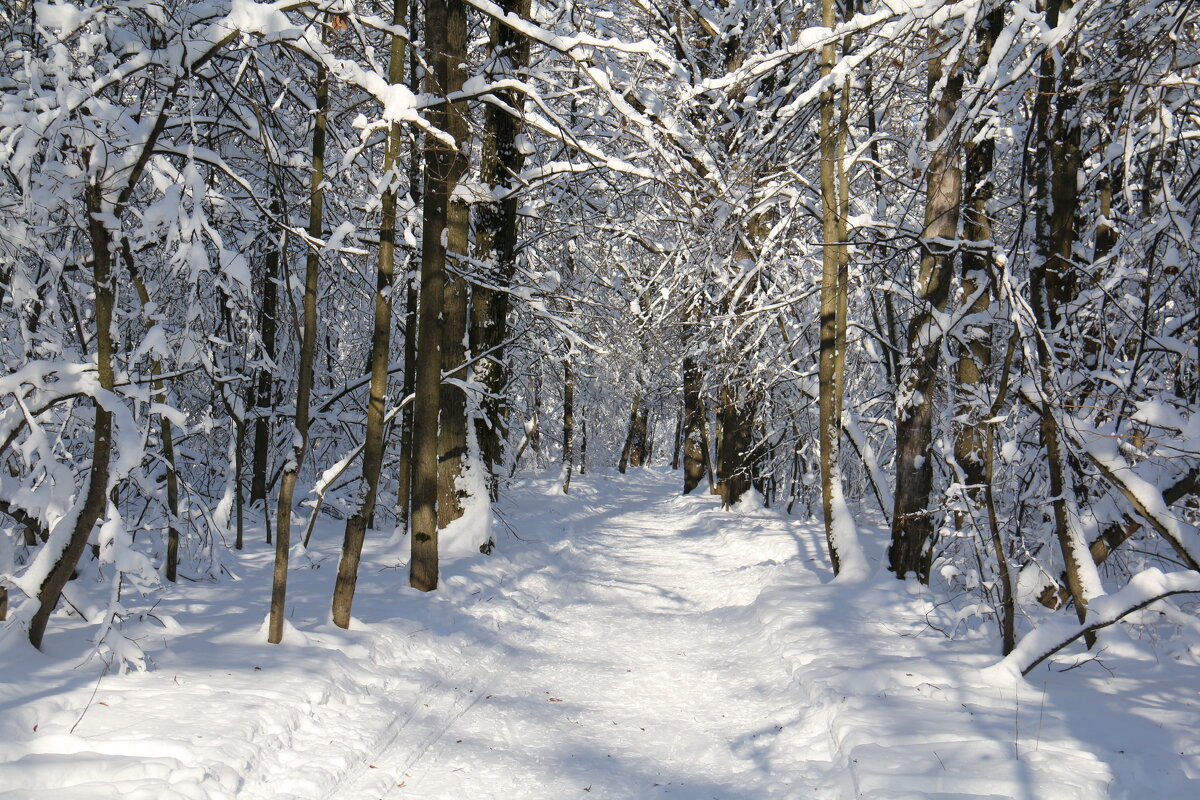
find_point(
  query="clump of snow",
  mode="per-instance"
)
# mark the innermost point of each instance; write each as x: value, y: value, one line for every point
x: 750, y: 502
x: 464, y: 536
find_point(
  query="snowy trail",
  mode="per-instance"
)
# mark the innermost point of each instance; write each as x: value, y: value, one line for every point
x: 630, y: 644
x: 623, y: 674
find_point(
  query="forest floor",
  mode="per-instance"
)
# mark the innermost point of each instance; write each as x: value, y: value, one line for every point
x: 622, y: 642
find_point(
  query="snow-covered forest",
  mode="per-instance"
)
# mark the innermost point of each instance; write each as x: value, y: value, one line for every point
x: 357, y: 307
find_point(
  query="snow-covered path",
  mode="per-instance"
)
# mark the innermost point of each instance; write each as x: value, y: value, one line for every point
x: 624, y: 642
x: 622, y: 672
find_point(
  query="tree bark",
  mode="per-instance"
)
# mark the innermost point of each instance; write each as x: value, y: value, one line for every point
x: 96, y: 497
x: 411, y: 284
x: 911, y: 548
x: 381, y: 344
x: 452, y: 408
x: 165, y: 430
x: 583, y: 448
x: 308, y: 352
x: 1052, y: 288
x: 496, y: 242
x: 631, y: 434
x: 734, y: 456
x: 568, y: 423
x: 445, y: 34
x: 975, y: 353
x: 694, y: 455
x: 833, y: 300
x: 677, y: 446
x: 264, y: 402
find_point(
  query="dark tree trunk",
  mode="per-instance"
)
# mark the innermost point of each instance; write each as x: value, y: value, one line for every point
x: 677, y: 439
x: 97, y: 490
x: 404, y: 476
x: 452, y: 415
x: 308, y: 351
x: 734, y: 450
x: 631, y: 453
x: 496, y: 243
x: 1052, y: 286
x: 975, y: 353
x: 264, y: 401
x: 568, y: 423
x: 695, y: 456
x: 375, y: 444
x: 583, y: 448
x: 445, y: 34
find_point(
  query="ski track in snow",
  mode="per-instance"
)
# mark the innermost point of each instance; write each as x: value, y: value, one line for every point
x: 633, y: 644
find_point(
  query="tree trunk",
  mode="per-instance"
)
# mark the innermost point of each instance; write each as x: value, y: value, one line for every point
x: 97, y: 490
x: 239, y: 497
x: 583, y: 448
x: 833, y: 301
x: 734, y: 449
x: 381, y: 344
x: 308, y: 351
x: 677, y: 446
x: 452, y: 409
x: 404, y: 476
x: 627, y: 450
x: 975, y: 353
x: 568, y: 422
x: 639, y: 452
x: 694, y: 455
x: 405, y: 473
x: 911, y: 548
x: 445, y: 34
x: 452, y: 425
x: 264, y: 401
x: 166, y: 432
x: 496, y: 242
x: 1052, y: 287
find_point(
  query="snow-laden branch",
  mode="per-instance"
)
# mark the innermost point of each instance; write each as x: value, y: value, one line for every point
x: 1143, y: 589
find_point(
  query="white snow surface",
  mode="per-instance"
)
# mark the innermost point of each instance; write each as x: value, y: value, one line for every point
x: 631, y: 643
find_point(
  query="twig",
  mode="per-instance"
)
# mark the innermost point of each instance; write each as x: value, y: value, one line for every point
x: 95, y: 689
x: 1037, y: 742
x: 1017, y: 721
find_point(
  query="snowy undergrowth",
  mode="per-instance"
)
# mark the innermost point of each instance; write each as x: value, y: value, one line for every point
x: 622, y: 642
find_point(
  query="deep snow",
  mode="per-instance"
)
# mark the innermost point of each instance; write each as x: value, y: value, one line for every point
x: 622, y: 642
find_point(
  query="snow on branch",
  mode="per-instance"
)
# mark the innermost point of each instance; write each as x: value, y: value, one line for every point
x: 1145, y: 588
